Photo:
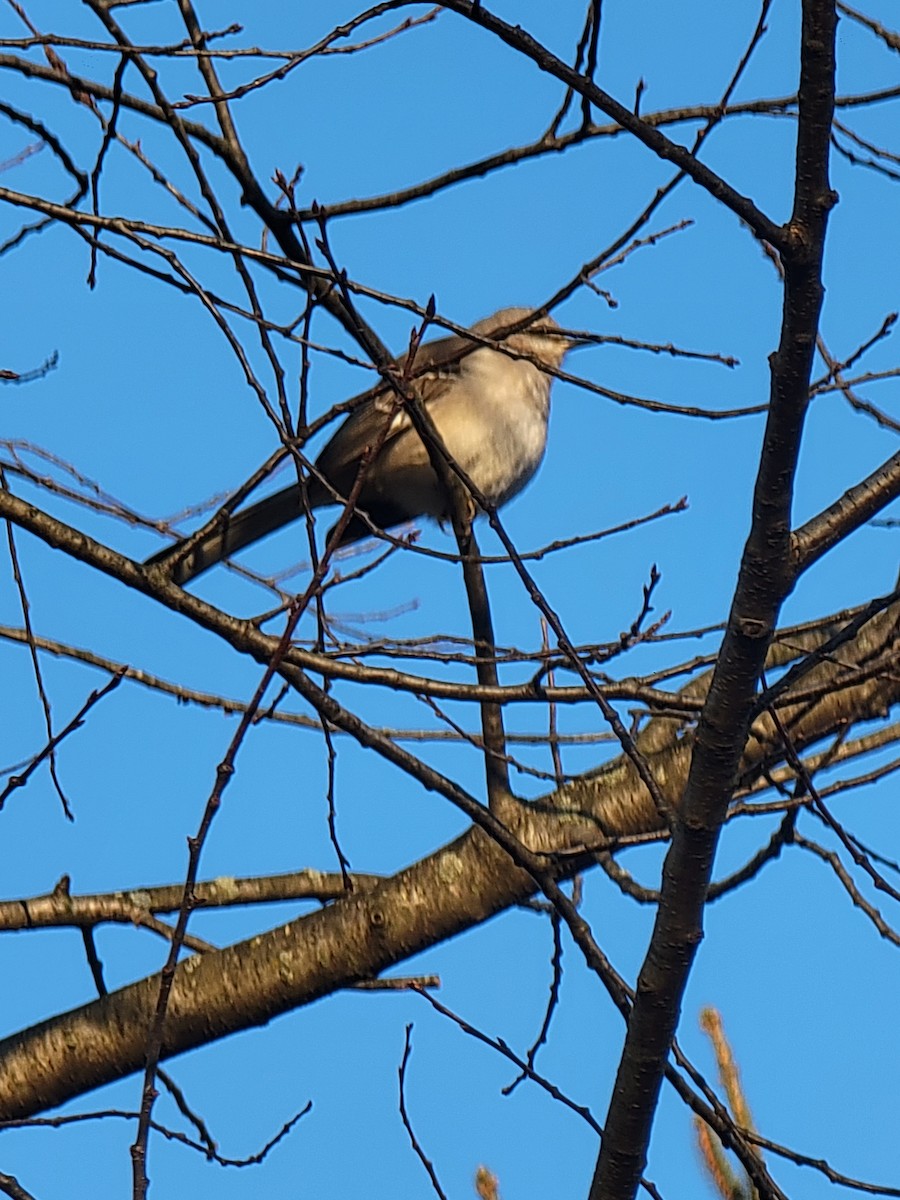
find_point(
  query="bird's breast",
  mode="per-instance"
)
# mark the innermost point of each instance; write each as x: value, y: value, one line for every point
x: 501, y: 444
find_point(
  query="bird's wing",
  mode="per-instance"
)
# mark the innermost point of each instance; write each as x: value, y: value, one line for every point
x: 436, y: 366
x: 439, y: 355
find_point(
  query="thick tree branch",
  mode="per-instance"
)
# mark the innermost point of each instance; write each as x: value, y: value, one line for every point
x: 765, y: 579
x: 360, y: 935
x: 857, y: 505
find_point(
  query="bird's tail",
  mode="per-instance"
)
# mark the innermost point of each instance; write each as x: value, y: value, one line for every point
x: 238, y: 530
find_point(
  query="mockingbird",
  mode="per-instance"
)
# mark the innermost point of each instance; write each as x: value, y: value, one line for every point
x: 489, y: 407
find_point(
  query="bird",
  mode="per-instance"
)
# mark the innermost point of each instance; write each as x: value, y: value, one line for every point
x: 491, y: 409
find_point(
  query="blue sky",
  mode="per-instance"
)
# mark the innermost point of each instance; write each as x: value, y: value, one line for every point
x: 149, y: 400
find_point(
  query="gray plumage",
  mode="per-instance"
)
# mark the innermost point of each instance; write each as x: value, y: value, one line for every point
x: 490, y: 408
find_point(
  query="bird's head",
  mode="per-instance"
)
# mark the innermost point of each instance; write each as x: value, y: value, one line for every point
x: 539, y: 337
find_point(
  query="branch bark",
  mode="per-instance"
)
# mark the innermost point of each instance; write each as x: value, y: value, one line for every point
x: 765, y: 579
x: 450, y: 891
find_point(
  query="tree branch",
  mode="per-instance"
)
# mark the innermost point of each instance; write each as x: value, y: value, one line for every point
x: 857, y: 505
x: 764, y: 581
x: 450, y: 891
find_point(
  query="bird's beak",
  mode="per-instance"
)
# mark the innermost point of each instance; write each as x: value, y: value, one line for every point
x: 578, y: 340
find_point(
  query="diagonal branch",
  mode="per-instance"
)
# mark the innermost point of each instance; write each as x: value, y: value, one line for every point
x: 517, y: 39
x: 857, y: 505
x: 765, y: 579
x: 452, y: 890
